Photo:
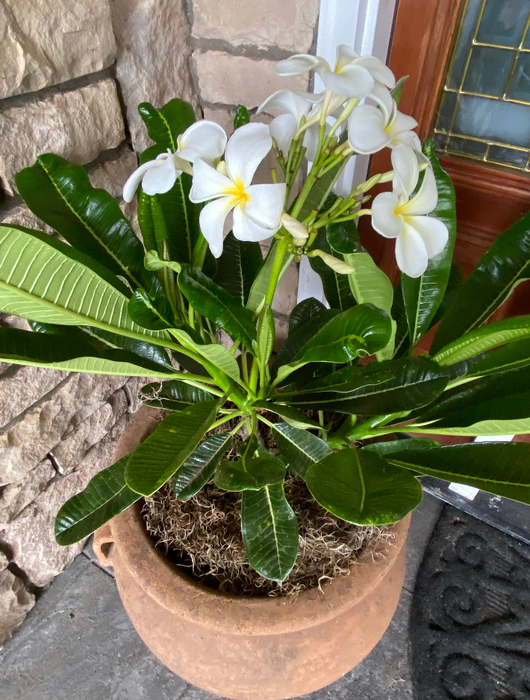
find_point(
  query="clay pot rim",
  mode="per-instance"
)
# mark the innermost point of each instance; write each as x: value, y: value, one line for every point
x: 175, y: 590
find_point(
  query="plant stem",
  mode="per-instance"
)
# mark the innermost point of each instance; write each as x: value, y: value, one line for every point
x: 219, y: 422
x: 281, y: 250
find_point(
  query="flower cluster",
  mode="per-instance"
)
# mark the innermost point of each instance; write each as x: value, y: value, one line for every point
x: 356, y: 114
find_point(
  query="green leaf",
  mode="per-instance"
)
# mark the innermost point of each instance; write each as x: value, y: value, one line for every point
x: 164, y: 124
x: 504, y: 265
x: 265, y: 339
x: 292, y: 416
x: 153, y: 261
x: 304, y: 312
x: 258, y: 291
x: 397, y: 91
x: 106, y: 495
x: 156, y: 460
x: 401, y: 341
x: 299, y: 447
x: 391, y: 446
x: 200, y: 466
x: 344, y: 238
x: 512, y: 356
x: 171, y: 217
x: 43, y: 283
x: 424, y: 295
x: 71, y: 351
x: 377, y: 388
x: 242, y: 117
x: 490, y: 336
x: 173, y: 395
x: 249, y: 474
x: 299, y: 336
x: 359, y: 331
x: 270, y: 532
x: 91, y: 220
x: 213, y: 302
x: 238, y: 267
x: 319, y: 193
x: 156, y: 315
x: 370, y: 285
x: 499, y: 468
x: 362, y: 488
x: 217, y: 355
x: 336, y: 287
x: 497, y: 400
x: 154, y: 354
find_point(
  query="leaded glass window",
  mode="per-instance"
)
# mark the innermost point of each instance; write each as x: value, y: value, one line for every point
x: 484, y: 112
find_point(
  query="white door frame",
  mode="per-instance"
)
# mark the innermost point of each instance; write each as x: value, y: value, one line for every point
x: 365, y: 26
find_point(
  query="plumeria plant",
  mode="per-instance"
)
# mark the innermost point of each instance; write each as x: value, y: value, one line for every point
x: 189, y: 307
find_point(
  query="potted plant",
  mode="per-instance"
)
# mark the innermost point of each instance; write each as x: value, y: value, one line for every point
x: 100, y: 300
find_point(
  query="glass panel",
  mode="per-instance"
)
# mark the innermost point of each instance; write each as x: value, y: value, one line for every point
x: 484, y: 109
x: 503, y: 22
x: 493, y: 121
x: 519, y: 88
x: 508, y: 156
x: 488, y: 71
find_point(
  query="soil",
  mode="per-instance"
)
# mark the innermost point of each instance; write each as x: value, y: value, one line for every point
x: 203, y: 535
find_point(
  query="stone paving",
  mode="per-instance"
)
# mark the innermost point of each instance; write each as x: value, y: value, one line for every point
x: 78, y: 643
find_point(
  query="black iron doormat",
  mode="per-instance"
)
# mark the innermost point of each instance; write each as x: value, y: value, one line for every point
x: 470, y: 620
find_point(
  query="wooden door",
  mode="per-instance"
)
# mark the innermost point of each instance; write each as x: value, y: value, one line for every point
x: 439, y: 44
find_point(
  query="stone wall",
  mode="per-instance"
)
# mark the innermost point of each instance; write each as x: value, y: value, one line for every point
x: 72, y: 73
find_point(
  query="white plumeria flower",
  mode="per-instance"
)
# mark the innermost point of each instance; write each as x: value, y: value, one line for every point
x: 353, y: 76
x: 371, y: 129
x: 284, y: 127
x: 256, y: 208
x: 396, y: 215
x: 204, y: 139
x: 297, y: 230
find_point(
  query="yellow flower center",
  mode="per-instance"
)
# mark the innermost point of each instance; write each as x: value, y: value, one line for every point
x: 237, y: 193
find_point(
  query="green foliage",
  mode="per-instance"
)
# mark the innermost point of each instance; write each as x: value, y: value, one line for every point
x: 238, y: 267
x: 242, y: 116
x: 200, y: 466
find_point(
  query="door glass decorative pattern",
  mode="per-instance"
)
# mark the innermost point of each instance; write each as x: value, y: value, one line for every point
x: 484, y: 113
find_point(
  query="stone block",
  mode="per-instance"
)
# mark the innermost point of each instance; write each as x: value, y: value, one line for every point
x: 15, y: 497
x: 286, y: 24
x: 153, y: 57
x: 113, y: 174
x: 31, y: 535
x: 232, y: 80
x: 15, y: 603
x: 86, y: 433
x: 77, y: 125
x: 26, y: 442
x: 281, y: 324
x: 25, y: 387
x: 50, y: 41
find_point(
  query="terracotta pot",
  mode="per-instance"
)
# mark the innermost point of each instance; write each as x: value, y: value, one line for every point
x: 247, y: 648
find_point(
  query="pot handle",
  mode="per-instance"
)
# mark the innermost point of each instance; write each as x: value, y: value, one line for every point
x: 104, y: 545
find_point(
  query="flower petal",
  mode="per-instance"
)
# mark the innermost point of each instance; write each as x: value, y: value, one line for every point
x: 311, y: 141
x: 288, y: 101
x: 411, y: 254
x: 402, y: 122
x: 406, y: 170
x: 162, y: 178
x: 134, y: 180
x: 246, y: 148
x: 246, y: 229
x: 297, y: 230
x: 212, y: 220
x: 382, y: 96
x: 207, y: 182
x: 433, y: 232
x: 265, y: 204
x: 378, y: 70
x: 283, y: 129
x: 426, y: 199
x: 204, y: 139
x: 366, y: 132
x: 345, y: 56
x: 352, y: 81
x: 407, y: 138
x: 299, y: 63
x: 384, y: 219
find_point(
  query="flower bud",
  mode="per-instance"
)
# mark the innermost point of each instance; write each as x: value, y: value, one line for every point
x: 297, y: 230
x: 338, y: 265
x: 221, y: 168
